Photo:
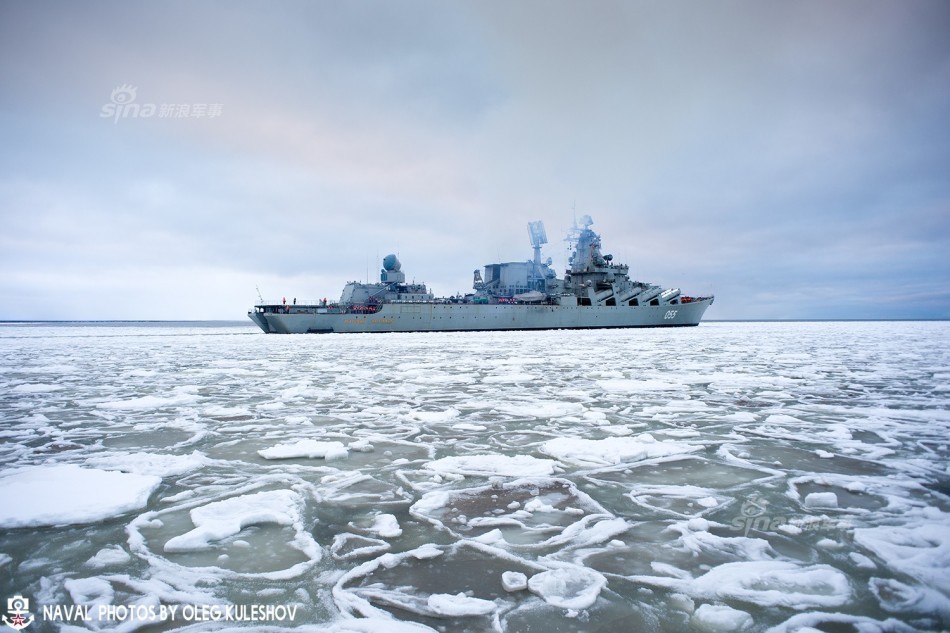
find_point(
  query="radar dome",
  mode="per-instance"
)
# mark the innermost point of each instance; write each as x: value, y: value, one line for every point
x: 391, y: 263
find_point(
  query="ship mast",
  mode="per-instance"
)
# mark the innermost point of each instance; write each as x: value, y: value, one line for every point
x: 538, y: 237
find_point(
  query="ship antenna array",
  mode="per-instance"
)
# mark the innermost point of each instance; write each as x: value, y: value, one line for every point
x: 572, y: 236
x: 538, y: 237
x: 259, y: 297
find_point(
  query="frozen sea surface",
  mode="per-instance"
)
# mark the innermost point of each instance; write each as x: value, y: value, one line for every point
x: 730, y: 477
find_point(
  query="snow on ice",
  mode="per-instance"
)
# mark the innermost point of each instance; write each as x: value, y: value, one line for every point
x: 488, y: 465
x: 66, y: 494
x: 226, y: 518
x: 306, y: 448
x: 568, y: 587
x: 778, y: 477
x: 611, y: 451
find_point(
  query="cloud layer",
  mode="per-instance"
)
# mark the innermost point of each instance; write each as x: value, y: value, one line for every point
x: 789, y: 157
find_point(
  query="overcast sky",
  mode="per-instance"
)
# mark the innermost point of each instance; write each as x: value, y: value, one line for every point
x: 793, y: 158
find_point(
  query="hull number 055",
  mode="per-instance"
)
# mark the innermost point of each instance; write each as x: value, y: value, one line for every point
x: 670, y: 314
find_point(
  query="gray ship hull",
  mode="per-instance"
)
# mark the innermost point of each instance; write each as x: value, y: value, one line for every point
x: 595, y: 292
x: 448, y: 317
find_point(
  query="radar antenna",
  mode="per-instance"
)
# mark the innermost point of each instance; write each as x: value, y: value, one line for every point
x: 538, y: 237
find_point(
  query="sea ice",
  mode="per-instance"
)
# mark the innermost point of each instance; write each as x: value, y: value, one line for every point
x: 378, y: 625
x: 310, y: 449
x: 549, y: 512
x: 540, y: 409
x: 514, y: 581
x: 921, y: 551
x: 488, y: 465
x: 681, y: 501
x: 35, y: 388
x: 809, y: 623
x: 613, y: 451
x: 466, y: 426
x: 862, y: 561
x: 459, y: 605
x: 108, y: 557
x: 765, y: 583
x: 622, y: 385
x: 160, y: 465
x: 512, y: 378
x: 435, y: 417
x: 90, y: 592
x: 765, y: 411
x: 897, y: 596
x: 821, y: 500
x: 349, y: 546
x: 181, y: 397
x: 720, y: 619
x: 221, y: 519
x: 568, y: 587
x: 66, y: 494
x: 386, y: 526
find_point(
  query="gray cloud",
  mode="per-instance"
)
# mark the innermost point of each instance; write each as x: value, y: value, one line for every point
x: 787, y: 156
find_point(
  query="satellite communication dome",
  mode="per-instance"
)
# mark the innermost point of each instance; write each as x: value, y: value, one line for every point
x: 391, y: 263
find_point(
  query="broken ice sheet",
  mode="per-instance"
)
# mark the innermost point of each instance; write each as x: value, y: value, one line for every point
x: 524, y: 513
x: 230, y: 534
x: 404, y: 584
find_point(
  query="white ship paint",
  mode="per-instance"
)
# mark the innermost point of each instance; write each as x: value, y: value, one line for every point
x: 594, y: 293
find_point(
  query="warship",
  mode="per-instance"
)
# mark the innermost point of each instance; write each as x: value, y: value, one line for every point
x: 594, y: 292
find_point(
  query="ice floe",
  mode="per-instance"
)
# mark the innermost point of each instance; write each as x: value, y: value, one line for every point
x: 181, y: 396
x: 767, y: 477
x: 377, y: 625
x: 386, y: 525
x: 765, y: 583
x: 222, y: 519
x: 109, y: 557
x: 348, y: 546
x: 311, y: 449
x: 720, y: 619
x: 224, y: 537
x: 160, y: 465
x: 821, y: 500
x: 514, y: 581
x: 568, y: 587
x: 920, y: 551
x: 584, y: 452
x: 488, y: 465
x: 66, y: 494
x: 528, y: 513
x: 459, y: 605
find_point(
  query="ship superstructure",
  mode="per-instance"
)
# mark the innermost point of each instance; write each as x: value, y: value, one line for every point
x: 527, y: 295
